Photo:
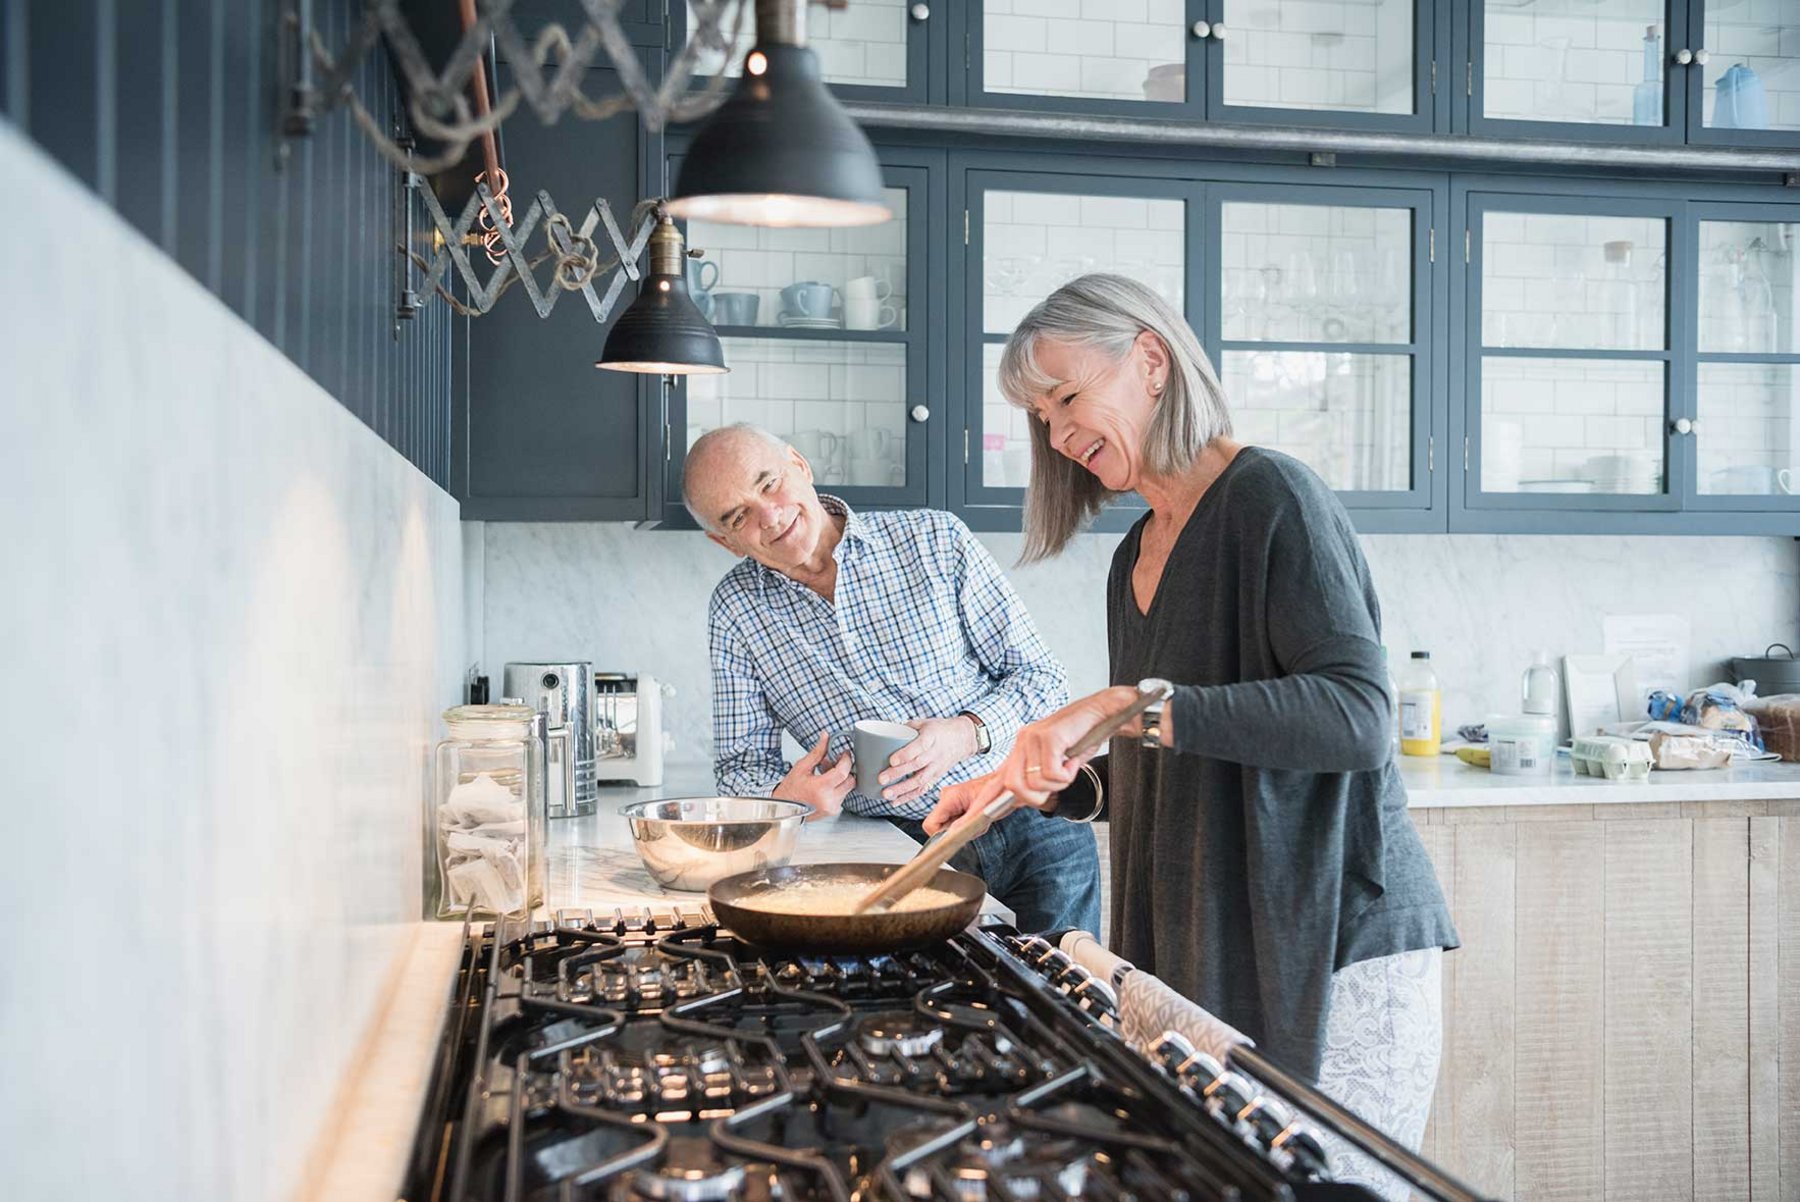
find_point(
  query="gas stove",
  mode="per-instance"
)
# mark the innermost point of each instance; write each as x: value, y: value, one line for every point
x: 652, y: 1057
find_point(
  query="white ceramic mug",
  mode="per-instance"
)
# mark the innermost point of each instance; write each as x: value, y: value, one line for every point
x: 872, y: 443
x: 1784, y: 480
x: 868, y: 313
x: 868, y: 287
x: 819, y: 447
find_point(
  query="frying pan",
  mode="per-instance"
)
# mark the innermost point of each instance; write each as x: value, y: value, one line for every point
x: 732, y: 901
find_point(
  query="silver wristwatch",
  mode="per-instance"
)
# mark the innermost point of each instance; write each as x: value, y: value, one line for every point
x: 1153, y: 713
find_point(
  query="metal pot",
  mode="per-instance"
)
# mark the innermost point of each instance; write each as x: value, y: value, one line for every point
x: 690, y: 842
x: 1772, y: 673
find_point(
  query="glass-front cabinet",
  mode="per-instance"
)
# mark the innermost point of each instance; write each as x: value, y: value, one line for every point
x: 1661, y: 71
x: 1313, y: 302
x: 1323, y: 62
x: 876, y: 49
x: 1743, y: 435
x: 1569, y: 354
x: 1319, y: 327
x: 825, y: 335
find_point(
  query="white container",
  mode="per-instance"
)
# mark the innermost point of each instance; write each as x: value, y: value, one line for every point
x: 1537, y: 689
x: 1520, y: 744
x: 1610, y: 756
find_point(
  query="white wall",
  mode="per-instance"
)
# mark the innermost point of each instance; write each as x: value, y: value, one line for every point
x: 636, y: 600
x: 233, y: 615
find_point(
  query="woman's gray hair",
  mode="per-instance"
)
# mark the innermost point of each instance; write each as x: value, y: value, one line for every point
x: 1106, y: 312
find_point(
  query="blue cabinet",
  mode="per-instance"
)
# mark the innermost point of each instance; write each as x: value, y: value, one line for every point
x: 1627, y: 361
x: 832, y: 339
x: 1658, y: 72
x: 1368, y: 64
x: 1314, y: 300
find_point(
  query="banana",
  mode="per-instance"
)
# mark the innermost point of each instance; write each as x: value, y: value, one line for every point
x: 1477, y: 757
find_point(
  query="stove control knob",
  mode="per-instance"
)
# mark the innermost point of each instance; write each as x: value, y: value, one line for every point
x: 1304, y: 1145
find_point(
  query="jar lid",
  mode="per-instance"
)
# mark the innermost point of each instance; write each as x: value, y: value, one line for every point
x: 490, y: 721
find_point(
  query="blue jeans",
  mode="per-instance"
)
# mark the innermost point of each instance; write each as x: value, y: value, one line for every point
x: 1046, y: 870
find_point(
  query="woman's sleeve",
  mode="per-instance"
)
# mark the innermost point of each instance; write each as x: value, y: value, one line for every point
x: 1329, y: 710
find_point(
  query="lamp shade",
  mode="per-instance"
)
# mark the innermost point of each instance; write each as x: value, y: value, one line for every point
x: 662, y: 333
x: 781, y: 152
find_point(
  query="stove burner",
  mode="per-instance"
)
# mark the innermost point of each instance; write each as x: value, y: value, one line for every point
x: 907, y: 1034
x: 690, y: 1171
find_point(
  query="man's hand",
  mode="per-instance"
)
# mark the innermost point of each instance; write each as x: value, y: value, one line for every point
x: 942, y: 744
x: 818, y: 785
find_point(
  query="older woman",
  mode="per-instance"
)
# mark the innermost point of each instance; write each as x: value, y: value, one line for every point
x: 1263, y: 862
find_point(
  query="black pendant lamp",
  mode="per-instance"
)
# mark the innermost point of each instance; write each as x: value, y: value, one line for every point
x: 781, y: 151
x: 662, y: 333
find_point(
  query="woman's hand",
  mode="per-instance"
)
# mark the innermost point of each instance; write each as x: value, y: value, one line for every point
x: 1038, y: 764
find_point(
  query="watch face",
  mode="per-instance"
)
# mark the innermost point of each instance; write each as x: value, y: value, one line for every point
x: 1155, y: 684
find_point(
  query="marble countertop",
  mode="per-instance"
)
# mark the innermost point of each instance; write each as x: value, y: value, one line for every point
x: 592, y: 864
x: 1444, y: 782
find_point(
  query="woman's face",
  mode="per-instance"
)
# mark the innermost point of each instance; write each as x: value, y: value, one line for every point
x: 1098, y: 409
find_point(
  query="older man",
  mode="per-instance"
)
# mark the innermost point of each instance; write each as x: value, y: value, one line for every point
x: 834, y: 617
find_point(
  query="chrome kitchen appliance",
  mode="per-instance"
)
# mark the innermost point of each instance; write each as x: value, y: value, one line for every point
x: 628, y: 728
x: 563, y: 693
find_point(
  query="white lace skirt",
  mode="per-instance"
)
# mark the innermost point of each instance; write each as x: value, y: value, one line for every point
x: 1384, y: 1036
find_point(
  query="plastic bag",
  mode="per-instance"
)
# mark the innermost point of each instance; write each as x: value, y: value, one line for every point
x: 1717, y: 707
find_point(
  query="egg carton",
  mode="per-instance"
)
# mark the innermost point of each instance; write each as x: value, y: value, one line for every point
x: 1611, y: 756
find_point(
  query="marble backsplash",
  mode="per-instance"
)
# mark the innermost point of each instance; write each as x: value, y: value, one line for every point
x: 235, y: 616
x: 1481, y: 604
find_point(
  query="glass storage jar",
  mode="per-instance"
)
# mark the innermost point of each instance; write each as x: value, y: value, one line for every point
x: 486, y: 821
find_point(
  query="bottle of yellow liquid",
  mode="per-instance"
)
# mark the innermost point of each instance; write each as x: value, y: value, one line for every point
x: 1421, y: 707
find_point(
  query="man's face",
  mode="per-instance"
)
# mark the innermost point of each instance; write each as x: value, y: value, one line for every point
x: 760, y: 501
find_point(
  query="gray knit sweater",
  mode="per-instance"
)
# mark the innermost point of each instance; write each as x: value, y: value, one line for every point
x: 1271, y: 845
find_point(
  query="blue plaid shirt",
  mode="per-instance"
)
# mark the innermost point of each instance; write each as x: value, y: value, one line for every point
x: 924, y: 626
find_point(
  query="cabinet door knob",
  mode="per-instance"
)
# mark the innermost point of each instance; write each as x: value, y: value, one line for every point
x: 1218, y: 31
x: 1202, y: 29
x: 1684, y: 56
x: 921, y: 12
x: 1682, y: 425
x: 1702, y: 57
x: 1694, y: 426
x: 921, y: 413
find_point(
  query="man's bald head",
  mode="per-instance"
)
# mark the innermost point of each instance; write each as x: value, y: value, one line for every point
x: 712, y: 454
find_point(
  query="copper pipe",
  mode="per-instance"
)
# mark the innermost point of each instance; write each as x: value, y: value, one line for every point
x: 483, y: 105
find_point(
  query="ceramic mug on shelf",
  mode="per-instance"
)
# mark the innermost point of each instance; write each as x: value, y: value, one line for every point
x: 867, y: 313
x: 702, y: 275
x: 808, y: 298
x: 868, y: 473
x: 871, y: 443
x: 820, y: 447
x: 735, y: 308
x: 868, y: 287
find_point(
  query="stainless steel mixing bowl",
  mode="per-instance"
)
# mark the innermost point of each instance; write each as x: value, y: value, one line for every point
x: 690, y: 842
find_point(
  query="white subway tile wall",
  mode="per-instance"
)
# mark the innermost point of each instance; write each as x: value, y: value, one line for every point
x: 862, y: 43
x: 1751, y: 81
x: 1316, y: 273
x: 1348, y: 417
x: 1747, y: 277
x: 1748, y: 443
x: 763, y: 261
x: 1574, y: 61
x: 1344, y: 55
x: 842, y: 403
x: 1095, y: 49
x: 1033, y: 242
x: 1005, y: 429
x: 1571, y: 425
x: 1573, y: 282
